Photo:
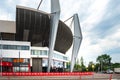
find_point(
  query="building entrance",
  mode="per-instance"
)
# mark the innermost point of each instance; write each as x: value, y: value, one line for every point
x: 36, y: 64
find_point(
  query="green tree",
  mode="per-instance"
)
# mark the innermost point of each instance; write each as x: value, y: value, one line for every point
x: 97, y: 67
x: 91, y: 66
x: 68, y: 65
x: 77, y: 66
x: 77, y: 62
x: 104, y: 60
x: 82, y: 64
x: 81, y: 61
x: 115, y: 65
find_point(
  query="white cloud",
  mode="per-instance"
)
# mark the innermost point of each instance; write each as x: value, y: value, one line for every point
x: 4, y: 15
x: 114, y: 33
x: 45, y: 6
x: 70, y: 7
x: 96, y: 13
x: 115, y: 57
x: 93, y: 12
x: 91, y: 51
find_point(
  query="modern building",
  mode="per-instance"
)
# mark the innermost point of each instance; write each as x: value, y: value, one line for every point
x: 37, y: 41
x: 21, y: 56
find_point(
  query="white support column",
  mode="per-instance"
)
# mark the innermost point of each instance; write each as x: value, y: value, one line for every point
x: 55, y: 10
x: 76, y: 41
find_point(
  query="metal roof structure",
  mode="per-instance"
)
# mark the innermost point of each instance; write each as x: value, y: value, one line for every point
x: 34, y: 26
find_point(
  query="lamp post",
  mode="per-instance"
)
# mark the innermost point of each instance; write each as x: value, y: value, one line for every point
x: 19, y: 61
x: 1, y: 52
x: 110, y: 63
x: 1, y: 63
x: 101, y: 66
x: 101, y: 63
x: 93, y: 66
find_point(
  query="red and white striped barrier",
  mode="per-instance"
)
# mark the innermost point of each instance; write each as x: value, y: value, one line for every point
x: 47, y: 74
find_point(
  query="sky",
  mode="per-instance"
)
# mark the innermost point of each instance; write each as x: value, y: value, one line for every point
x: 99, y: 20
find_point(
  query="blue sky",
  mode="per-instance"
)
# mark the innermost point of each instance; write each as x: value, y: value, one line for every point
x: 99, y: 19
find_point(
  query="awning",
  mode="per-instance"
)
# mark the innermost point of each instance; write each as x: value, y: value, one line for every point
x: 6, y: 64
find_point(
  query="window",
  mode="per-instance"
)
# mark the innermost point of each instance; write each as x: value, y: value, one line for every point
x: 39, y: 52
x: 5, y: 47
x: 22, y: 69
x: 33, y: 52
x: 65, y: 58
x: 0, y: 46
x: 59, y: 56
x: 44, y: 52
x: 16, y: 47
x: 11, y: 47
x: 26, y: 60
x: 7, y: 59
x: 24, y: 47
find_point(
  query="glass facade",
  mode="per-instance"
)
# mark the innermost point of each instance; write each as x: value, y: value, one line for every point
x: 14, y: 47
x: 15, y: 64
x: 55, y: 63
x: 39, y: 52
x: 21, y: 69
x: 45, y: 53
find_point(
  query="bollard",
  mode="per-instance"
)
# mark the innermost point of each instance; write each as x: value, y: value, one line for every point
x: 80, y: 77
x: 8, y: 77
x: 110, y: 77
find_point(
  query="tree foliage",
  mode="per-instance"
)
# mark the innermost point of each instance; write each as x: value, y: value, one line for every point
x: 79, y: 65
x: 90, y: 66
x: 116, y: 65
x: 83, y: 67
x: 104, y: 60
x: 103, y: 63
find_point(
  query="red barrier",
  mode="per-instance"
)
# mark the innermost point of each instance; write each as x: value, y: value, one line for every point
x: 46, y: 74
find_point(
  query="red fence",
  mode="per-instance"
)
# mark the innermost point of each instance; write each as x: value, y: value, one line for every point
x: 47, y: 74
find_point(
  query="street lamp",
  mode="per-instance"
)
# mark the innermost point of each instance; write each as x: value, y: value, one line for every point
x: 93, y: 66
x: 101, y: 63
x: 110, y: 63
x: 19, y: 61
x: 1, y: 52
